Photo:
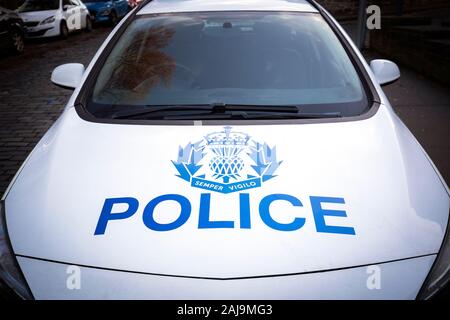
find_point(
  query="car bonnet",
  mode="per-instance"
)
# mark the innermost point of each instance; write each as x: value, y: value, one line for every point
x: 227, y: 200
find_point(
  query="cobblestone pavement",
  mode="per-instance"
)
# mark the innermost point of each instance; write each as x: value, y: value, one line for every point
x: 29, y: 103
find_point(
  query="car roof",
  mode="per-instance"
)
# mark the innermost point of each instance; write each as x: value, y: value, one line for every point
x: 170, y: 6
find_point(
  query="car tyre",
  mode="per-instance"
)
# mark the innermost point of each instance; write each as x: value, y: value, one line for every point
x: 17, y: 41
x: 63, y: 30
x: 88, y: 24
x: 113, y: 18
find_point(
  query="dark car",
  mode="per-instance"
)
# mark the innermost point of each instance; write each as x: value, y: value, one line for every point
x: 11, y: 31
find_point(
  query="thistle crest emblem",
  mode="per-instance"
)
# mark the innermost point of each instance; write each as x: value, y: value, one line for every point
x: 226, y: 161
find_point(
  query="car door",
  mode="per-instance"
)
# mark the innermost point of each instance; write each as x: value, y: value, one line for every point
x: 70, y: 15
x: 66, y: 12
x: 81, y: 12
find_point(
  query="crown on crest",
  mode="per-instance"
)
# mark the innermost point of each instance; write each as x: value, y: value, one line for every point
x: 227, y: 138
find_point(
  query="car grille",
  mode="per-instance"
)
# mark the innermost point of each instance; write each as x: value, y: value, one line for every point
x: 31, y: 23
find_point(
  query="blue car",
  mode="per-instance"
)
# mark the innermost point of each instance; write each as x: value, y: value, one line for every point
x: 107, y: 10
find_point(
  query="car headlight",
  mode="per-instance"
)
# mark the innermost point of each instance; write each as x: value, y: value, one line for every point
x: 48, y: 20
x: 439, y: 275
x: 9, y: 268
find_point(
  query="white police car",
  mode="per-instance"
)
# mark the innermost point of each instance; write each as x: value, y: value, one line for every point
x: 216, y: 150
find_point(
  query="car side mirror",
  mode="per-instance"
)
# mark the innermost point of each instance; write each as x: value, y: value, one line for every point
x: 65, y: 7
x: 68, y: 75
x: 385, y: 71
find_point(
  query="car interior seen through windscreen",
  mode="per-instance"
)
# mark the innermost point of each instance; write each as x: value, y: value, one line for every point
x: 246, y: 65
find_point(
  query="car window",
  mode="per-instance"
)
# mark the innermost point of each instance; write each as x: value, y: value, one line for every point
x: 38, y: 5
x: 228, y: 58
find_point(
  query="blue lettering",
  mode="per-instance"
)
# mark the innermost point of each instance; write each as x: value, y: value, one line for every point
x: 319, y: 215
x: 203, y: 219
x: 107, y: 215
x: 244, y: 204
x: 265, y: 212
x: 185, y: 212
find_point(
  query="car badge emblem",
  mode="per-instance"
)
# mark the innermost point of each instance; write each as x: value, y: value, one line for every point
x: 226, y: 162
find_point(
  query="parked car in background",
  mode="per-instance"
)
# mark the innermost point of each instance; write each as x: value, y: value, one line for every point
x: 107, y: 10
x: 51, y: 18
x: 11, y: 31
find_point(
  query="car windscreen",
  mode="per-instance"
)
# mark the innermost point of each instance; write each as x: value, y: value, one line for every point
x: 38, y: 5
x: 275, y: 59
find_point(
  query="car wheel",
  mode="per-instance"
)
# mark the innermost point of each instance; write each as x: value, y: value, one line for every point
x: 18, y: 41
x: 88, y: 24
x: 63, y: 30
x: 113, y: 18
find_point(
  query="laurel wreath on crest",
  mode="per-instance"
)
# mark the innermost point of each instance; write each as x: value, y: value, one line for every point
x: 264, y: 158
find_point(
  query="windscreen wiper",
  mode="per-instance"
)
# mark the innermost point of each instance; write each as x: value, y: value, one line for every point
x: 213, y: 108
x: 218, y: 111
x: 245, y: 115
